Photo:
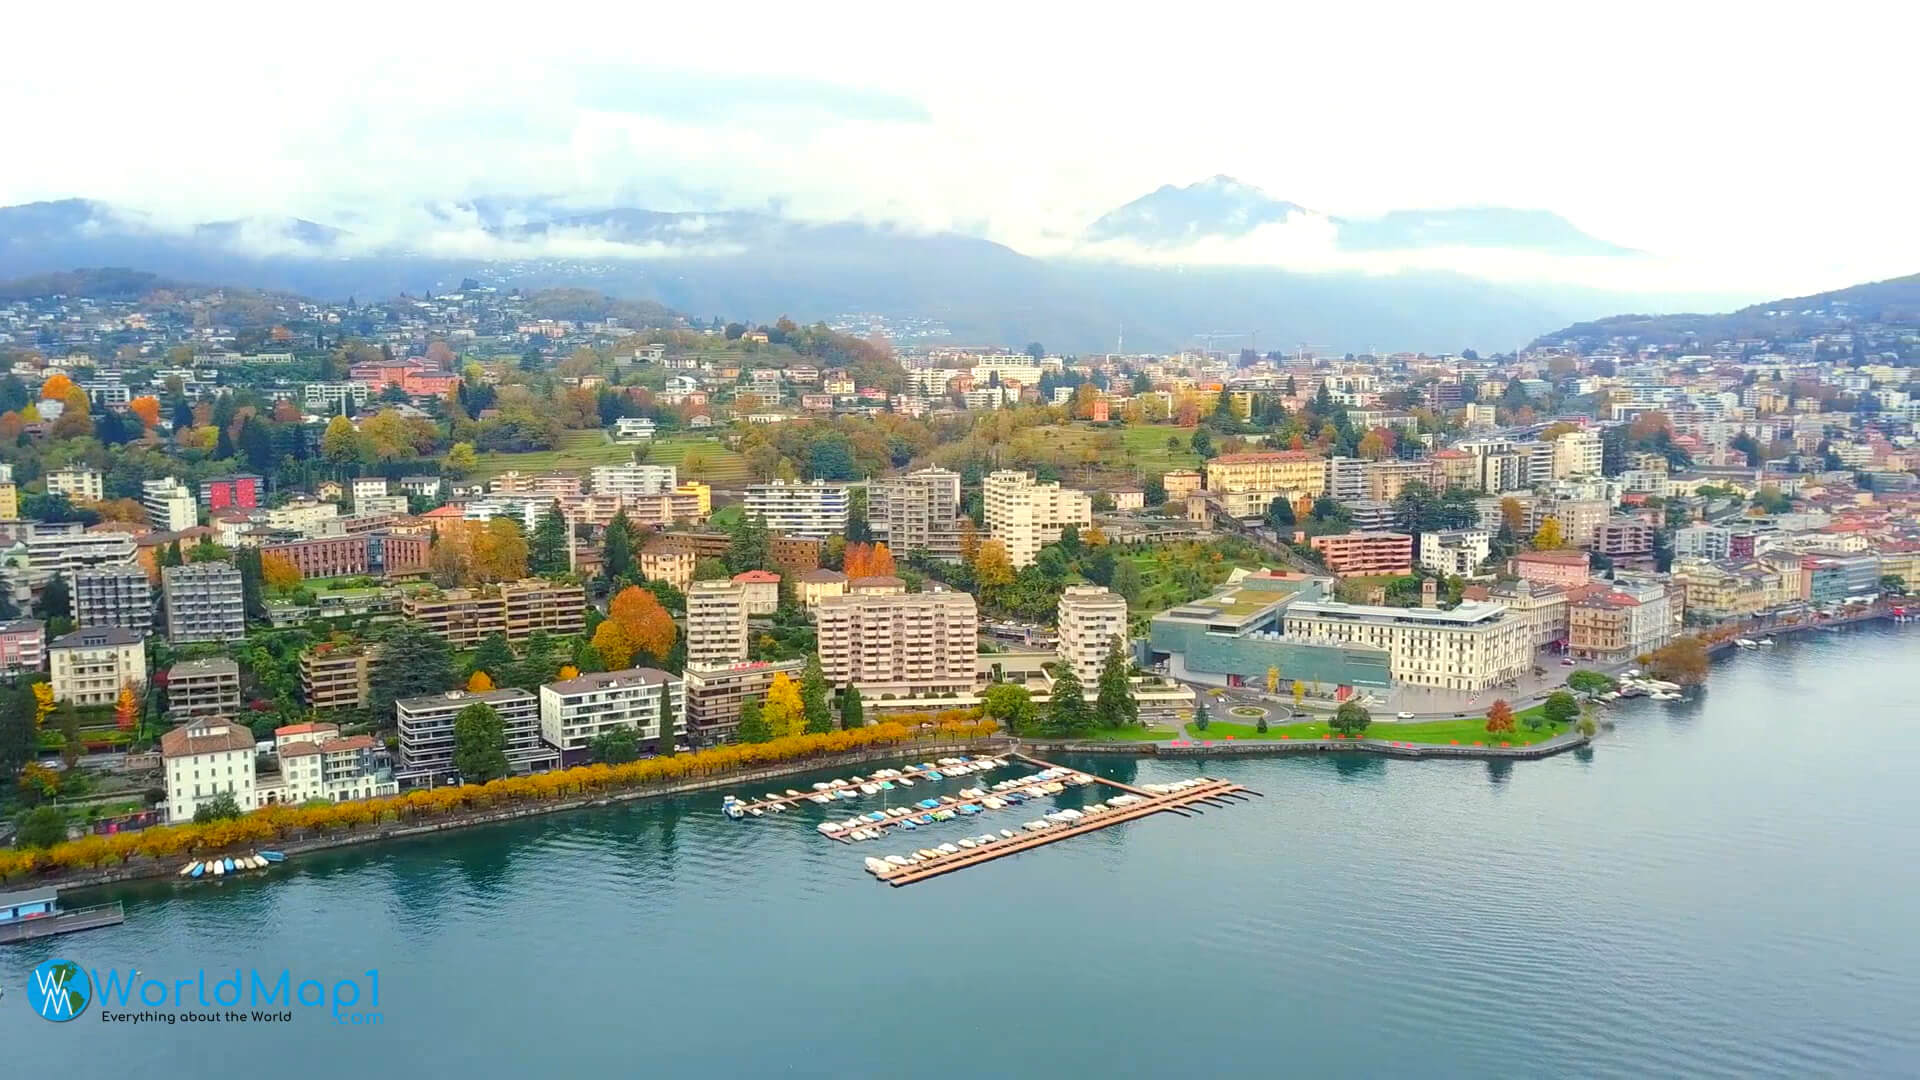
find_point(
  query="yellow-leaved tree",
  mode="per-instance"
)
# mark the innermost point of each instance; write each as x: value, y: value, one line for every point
x: 785, y: 713
x: 479, y: 681
x: 613, y: 645
x: 1548, y: 538
x: 279, y: 572
x: 648, y: 626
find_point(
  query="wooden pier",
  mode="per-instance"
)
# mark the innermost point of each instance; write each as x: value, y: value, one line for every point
x: 63, y: 922
x: 1211, y: 793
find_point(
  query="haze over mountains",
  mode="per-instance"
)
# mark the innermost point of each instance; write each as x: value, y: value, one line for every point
x: 1176, y: 263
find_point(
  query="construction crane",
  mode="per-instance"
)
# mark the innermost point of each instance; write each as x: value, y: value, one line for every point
x: 1208, y: 338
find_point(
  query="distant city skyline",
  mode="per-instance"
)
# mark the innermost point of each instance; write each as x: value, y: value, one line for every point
x: 1738, y: 154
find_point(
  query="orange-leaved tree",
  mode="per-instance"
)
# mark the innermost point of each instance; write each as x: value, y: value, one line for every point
x: 1500, y: 717
x: 279, y: 571
x: 479, y: 682
x: 147, y: 408
x: 646, y: 624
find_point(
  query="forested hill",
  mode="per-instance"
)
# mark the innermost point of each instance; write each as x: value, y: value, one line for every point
x: 1894, y: 302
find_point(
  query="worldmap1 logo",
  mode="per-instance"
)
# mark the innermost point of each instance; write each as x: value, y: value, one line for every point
x: 58, y: 990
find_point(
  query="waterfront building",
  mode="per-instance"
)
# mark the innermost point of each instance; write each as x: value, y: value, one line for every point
x: 1542, y: 607
x: 1832, y: 577
x: 1475, y: 646
x: 426, y: 733
x: 334, y: 676
x: 1236, y: 638
x: 205, y: 602
x: 762, y: 591
x: 1366, y: 553
x: 716, y: 692
x: 1026, y: 516
x: 23, y: 646
x: 204, y: 759
x: 78, y: 483
x: 574, y: 712
x: 663, y: 559
x: 326, y: 766
x: 208, y: 687
x: 92, y: 664
x: 1455, y: 552
x: 815, y: 509
x: 1613, y: 623
x: 1714, y: 591
x: 634, y: 480
x: 112, y: 596
x: 716, y: 623
x: 1091, y: 618
x: 1246, y: 484
x: 170, y: 504
x: 905, y: 644
x: 918, y: 511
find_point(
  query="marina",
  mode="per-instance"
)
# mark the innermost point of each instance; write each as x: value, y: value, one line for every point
x: 829, y: 791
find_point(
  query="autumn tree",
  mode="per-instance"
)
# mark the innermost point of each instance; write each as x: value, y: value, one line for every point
x: 613, y: 645
x: 279, y: 571
x: 646, y: 624
x: 126, y: 711
x: 479, y: 682
x: 1548, y: 537
x: 147, y: 408
x: 1682, y: 661
x: 492, y: 656
x: 479, y: 744
x: 991, y: 566
x: 57, y: 387
x: 343, y: 444
x: 785, y: 713
x: 1513, y: 515
x: 1500, y: 718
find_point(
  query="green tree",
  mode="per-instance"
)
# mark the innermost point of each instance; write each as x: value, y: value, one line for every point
x: 1127, y: 580
x: 1011, y: 706
x: 1200, y: 720
x: 221, y: 807
x: 813, y: 698
x: 617, y: 559
x: 413, y: 661
x: 853, y: 712
x: 753, y: 723
x: 1114, y: 706
x: 616, y: 747
x: 494, y: 657
x: 17, y: 708
x: 1351, y: 718
x: 1067, y: 713
x: 479, y: 744
x: 1588, y: 681
x: 747, y: 549
x: 1560, y: 708
x: 41, y: 827
x: 541, y: 662
x: 1587, y: 727
x: 547, y: 553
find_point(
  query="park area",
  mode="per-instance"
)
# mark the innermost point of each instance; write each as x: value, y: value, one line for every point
x: 697, y: 457
x: 1461, y: 731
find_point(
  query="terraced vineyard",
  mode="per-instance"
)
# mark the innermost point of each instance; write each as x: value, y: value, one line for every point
x: 714, y: 463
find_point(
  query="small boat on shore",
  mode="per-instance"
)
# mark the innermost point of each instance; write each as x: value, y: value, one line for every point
x: 188, y: 869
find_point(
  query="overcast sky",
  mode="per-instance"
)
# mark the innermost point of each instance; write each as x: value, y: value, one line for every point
x: 1771, y: 149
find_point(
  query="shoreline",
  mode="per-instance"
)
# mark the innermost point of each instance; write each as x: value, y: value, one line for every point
x: 1559, y: 744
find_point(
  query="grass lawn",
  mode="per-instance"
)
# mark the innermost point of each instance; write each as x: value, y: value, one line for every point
x: 1160, y: 568
x: 1132, y: 734
x: 1466, y: 731
x: 716, y: 464
x: 577, y: 450
x: 1142, y: 446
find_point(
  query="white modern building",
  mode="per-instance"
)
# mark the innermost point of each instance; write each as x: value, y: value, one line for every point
x: 92, y: 664
x: 170, y: 504
x: 716, y: 623
x: 1475, y: 646
x: 1091, y: 618
x: 76, y: 483
x: 119, y: 596
x: 918, y: 511
x: 900, y: 645
x: 1026, y: 516
x: 426, y: 733
x: 817, y: 509
x: 576, y: 711
x: 634, y: 480
x: 1455, y: 552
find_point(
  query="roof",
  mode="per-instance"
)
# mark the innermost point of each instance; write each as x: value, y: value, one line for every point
x: 1272, y: 455
x: 92, y: 637
x: 28, y: 896
x: 22, y: 626
x: 876, y: 581
x: 328, y: 746
x: 606, y: 680
x: 304, y: 729
x: 212, y: 735
x: 757, y: 577
x: 1563, y: 557
x: 823, y: 576
x: 212, y: 665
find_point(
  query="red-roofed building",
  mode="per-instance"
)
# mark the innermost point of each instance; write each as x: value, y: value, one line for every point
x: 763, y: 591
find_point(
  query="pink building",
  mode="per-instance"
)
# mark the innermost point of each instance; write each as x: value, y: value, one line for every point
x: 1567, y: 569
x: 23, y: 646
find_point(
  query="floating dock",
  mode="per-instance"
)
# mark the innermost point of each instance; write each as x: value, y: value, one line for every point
x: 913, y: 772
x: 36, y: 913
x: 1209, y: 792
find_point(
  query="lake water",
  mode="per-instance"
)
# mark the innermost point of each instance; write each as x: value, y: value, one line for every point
x: 1728, y: 886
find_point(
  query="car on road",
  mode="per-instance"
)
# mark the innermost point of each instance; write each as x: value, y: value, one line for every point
x: 1566, y: 661
x: 1403, y: 716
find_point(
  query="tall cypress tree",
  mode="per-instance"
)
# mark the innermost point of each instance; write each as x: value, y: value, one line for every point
x: 618, y: 560
x: 813, y: 698
x: 1115, y: 706
x: 547, y: 554
x: 1067, y: 713
x: 853, y: 713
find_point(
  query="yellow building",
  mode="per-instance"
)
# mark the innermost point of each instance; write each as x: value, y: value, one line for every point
x: 1247, y: 483
x: 9, y: 501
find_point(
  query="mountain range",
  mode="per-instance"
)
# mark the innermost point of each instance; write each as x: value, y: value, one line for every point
x: 1894, y: 301
x: 758, y: 266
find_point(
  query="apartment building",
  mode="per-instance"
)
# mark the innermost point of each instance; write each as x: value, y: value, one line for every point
x: 1387, y: 479
x: 1180, y: 483
x: 1362, y: 554
x: 327, y: 556
x: 1455, y: 470
x: 23, y: 646
x: 1475, y: 646
x: 465, y: 617
x: 716, y: 623
x: 794, y: 554
x: 1542, y: 607
x: 1026, y: 516
x: 816, y: 509
x: 77, y: 484
x: 112, y: 596
x: 1246, y: 484
x: 1711, y: 591
x: 911, y: 643
x: 552, y: 485
x: 426, y: 733
x: 919, y: 511
x: 1090, y: 619
x: 1579, y: 518
x: 328, y: 767
x: 763, y: 591
x: 1455, y: 552
x: 209, y: 687
x: 633, y: 481
x: 204, y: 601
x: 574, y: 712
x: 241, y: 491
x: 90, y: 665
x: 669, y: 561
x: 1576, y: 453
x: 203, y: 760
x: 1626, y: 541
x: 338, y: 676
x: 1567, y: 568
x: 816, y: 585
x: 1709, y: 542
x: 170, y: 504
x: 716, y: 692
x: 63, y: 547
x: 1614, y: 624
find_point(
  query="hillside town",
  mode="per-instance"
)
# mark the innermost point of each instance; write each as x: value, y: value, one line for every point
x: 259, y: 550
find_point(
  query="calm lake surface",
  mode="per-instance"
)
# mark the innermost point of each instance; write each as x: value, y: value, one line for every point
x: 1728, y: 886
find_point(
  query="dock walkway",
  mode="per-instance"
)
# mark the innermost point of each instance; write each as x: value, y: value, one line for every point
x: 915, y: 772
